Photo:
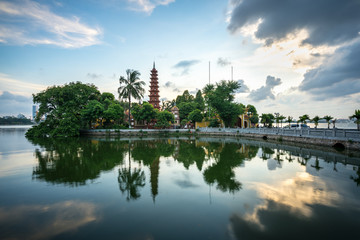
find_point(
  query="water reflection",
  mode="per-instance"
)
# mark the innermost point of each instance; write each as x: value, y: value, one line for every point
x: 74, y: 161
x: 52, y: 219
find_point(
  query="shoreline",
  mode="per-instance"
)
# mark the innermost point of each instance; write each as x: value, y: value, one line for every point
x: 340, y: 138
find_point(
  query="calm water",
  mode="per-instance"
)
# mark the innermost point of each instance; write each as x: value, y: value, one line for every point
x: 92, y: 188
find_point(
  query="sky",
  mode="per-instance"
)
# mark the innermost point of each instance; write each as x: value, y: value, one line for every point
x: 292, y: 57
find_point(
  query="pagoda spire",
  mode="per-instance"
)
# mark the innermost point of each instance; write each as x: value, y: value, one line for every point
x: 154, y: 88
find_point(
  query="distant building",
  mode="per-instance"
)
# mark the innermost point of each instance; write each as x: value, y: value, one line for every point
x: 154, y: 89
x: 34, y: 111
x: 21, y: 116
x: 175, y: 112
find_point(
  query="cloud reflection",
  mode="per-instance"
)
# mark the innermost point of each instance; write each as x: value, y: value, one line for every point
x: 46, y: 221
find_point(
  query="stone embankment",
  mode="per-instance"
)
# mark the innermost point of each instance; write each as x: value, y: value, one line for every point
x: 346, y: 138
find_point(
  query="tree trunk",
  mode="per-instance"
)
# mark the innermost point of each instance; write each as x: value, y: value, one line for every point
x: 129, y: 111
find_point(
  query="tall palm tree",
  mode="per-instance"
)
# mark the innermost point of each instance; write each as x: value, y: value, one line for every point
x: 282, y: 118
x: 316, y: 120
x: 303, y: 118
x: 357, y: 117
x: 328, y: 119
x: 289, y: 120
x: 131, y: 86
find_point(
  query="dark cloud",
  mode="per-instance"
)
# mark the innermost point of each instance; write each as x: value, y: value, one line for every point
x: 328, y: 22
x: 272, y: 218
x: 185, y: 65
x: 12, y: 104
x: 243, y: 88
x: 176, y: 90
x: 169, y: 85
x: 94, y: 75
x: 339, y: 76
x: 266, y: 91
x: 194, y: 92
x: 223, y: 62
x: 7, y: 96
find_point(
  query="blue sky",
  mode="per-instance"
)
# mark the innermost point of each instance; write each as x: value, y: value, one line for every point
x: 295, y: 58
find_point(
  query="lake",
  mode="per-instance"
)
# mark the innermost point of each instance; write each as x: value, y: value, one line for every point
x: 175, y: 188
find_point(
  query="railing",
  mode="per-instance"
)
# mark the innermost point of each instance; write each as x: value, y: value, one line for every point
x: 343, y: 134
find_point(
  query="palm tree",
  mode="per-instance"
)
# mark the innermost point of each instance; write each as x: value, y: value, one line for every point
x: 328, y: 119
x: 289, y: 120
x: 132, y: 87
x: 282, y: 118
x: 357, y: 117
x: 316, y: 120
x: 303, y: 118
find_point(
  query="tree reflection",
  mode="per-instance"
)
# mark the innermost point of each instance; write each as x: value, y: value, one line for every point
x: 74, y: 161
x: 222, y: 172
x: 130, y: 180
x: 189, y: 154
x: 357, y: 178
x: 149, y: 153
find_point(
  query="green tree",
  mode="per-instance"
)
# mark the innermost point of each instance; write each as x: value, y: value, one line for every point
x: 199, y: 101
x: 185, y: 97
x: 289, y: 120
x: 145, y: 112
x: 93, y: 111
x: 356, y: 115
x: 62, y: 106
x: 221, y: 97
x: 195, y: 116
x: 114, y: 113
x: 164, y: 118
x: 267, y: 119
x: 281, y: 119
x: 303, y: 118
x: 131, y: 86
x: 185, y: 108
x: 316, y: 120
x: 328, y: 119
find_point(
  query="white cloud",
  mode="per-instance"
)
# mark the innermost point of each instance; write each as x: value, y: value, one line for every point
x: 147, y: 6
x: 28, y: 22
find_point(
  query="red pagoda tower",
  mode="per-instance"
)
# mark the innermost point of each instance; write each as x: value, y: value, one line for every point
x: 154, y: 89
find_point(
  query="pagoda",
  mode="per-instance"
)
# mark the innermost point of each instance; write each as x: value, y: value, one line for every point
x: 154, y: 89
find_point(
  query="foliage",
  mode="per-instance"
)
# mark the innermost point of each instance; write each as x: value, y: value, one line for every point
x: 185, y: 108
x: 94, y: 110
x: 289, y: 120
x: 328, y: 119
x: 184, y: 98
x: 145, y: 112
x: 221, y: 97
x: 316, y: 120
x: 267, y: 119
x: 164, y: 118
x: 214, y: 122
x: 167, y: 105
x: 356, y: 115
x: 199, y: 101
x: 62, y: 106
x: 303, y: 118
x: 14, y: 121
x: 131, y: 86
x: 195, y: 116
x: 254, y: 119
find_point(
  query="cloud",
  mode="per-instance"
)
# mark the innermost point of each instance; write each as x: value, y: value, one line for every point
x: 243, y: 87
x: 327, y: 22
x: 266, y: 91
x: 30, y: 23
x: 13, y: 104
x: 339, y: 76
x: 94, y: 76
x: 169, y: 85
x: 223, y: 62
x: 185, y: 66
x: 147, y: 6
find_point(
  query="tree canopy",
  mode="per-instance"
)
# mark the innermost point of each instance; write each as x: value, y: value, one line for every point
x: 220, y: 97
x: 61, y: 106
